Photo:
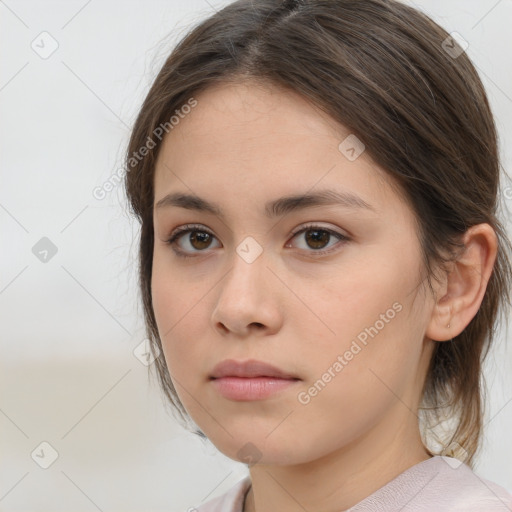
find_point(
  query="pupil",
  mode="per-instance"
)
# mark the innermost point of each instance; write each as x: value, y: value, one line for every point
x: 201, y: 237
x: 318, y: 236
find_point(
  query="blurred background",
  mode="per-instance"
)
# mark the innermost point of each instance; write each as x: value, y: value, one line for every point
x: 83, y: 427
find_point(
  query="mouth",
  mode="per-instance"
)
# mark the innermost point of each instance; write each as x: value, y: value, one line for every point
x: 250, y: 380
x: 251, y: 388
x: 249, y: 369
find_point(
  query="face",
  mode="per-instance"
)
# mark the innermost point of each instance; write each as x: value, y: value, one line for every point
x: 330, y: 293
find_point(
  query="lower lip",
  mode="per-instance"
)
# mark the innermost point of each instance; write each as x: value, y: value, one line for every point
x: 250, y: 388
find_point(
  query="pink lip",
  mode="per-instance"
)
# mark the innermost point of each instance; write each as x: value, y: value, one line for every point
x: 250, y: 388
x: 249, y: 380
x: 250, y: 368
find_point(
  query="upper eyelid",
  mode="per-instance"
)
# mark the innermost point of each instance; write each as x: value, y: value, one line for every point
x: 190, y: 227
x: 312, y: 225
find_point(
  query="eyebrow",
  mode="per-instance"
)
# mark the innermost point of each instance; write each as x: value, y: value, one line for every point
x: 274, y: 208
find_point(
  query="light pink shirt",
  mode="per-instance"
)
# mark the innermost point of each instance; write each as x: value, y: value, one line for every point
x: 438, y: 484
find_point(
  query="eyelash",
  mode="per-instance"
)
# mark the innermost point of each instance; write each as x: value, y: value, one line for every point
x: 197, y: 227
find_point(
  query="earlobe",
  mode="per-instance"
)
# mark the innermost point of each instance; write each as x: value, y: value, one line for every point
x: 442, y: 324
x: 464, y: 286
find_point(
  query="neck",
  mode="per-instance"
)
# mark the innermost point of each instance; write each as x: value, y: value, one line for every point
x: 341, y: 479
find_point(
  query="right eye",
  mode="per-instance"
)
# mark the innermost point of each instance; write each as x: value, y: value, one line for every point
x: 198, y: 240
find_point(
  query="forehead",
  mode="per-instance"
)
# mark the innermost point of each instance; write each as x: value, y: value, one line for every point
x: 254, y: 112
x: 252, y: 140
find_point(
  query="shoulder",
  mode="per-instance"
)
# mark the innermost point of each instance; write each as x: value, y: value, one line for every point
x: 230, y: 501
x: 459, y: 488
x: 442, y: 484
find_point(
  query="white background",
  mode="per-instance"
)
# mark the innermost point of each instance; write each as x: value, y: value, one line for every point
x: 68, y: 375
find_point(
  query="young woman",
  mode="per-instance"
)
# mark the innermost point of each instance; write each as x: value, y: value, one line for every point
x: 321, y: 261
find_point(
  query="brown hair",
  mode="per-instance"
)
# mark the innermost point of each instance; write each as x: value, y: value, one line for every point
x: 383, y: 70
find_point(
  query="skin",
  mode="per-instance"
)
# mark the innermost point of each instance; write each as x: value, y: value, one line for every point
x: 241, y: 146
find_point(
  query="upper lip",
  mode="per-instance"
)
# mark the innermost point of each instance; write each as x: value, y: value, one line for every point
x: 251, y: 368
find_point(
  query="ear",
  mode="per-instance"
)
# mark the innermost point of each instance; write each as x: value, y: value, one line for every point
x: 463, y: 288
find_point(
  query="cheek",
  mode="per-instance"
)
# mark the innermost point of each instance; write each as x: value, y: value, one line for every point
x: 177, y: 306
x: 176, y: 297
x: 348, y: 304
x: 369, y: 320
x: 355, y: 376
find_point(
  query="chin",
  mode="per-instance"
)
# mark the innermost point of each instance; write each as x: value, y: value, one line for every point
x: 259, y: 449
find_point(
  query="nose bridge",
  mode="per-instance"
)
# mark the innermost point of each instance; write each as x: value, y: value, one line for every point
x: 248, y: 269
x: 244, y: 297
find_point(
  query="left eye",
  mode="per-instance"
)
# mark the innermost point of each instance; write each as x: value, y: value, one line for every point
x: 199, y: 238
x: 317, y: 237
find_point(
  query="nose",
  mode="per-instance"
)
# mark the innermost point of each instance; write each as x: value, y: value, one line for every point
x: 249, y: 299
